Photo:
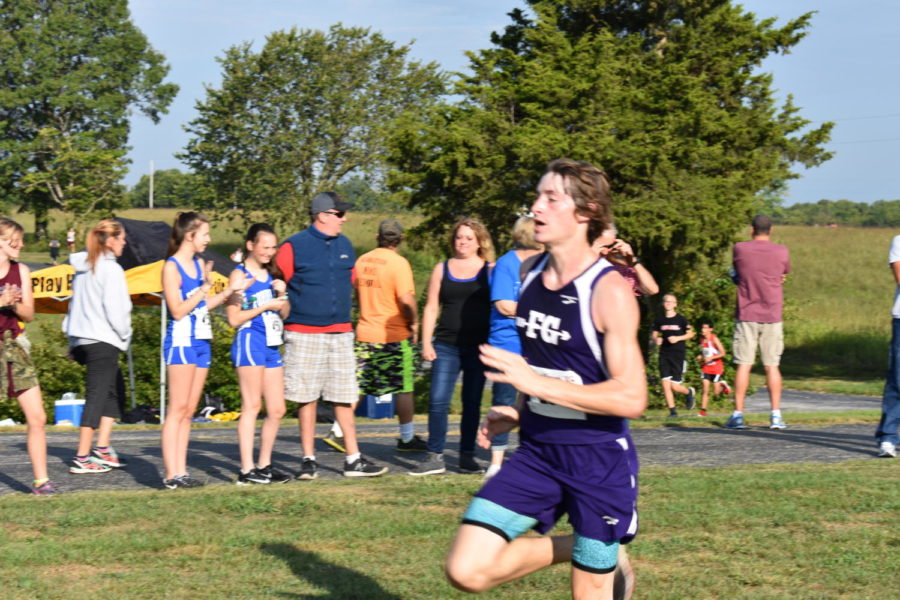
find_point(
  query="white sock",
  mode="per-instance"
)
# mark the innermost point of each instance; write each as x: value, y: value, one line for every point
x: 336, y: 429
x: 737, y: 413
x: 352, y: 458
x: 406, y: 431
x: 776, y: 413
x: 313, y: 457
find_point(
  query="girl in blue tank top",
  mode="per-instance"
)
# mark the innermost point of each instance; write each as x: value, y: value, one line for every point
x: 255, y: 351
x: 186, y: 283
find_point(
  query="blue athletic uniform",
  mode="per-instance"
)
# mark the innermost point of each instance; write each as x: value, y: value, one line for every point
x: 569, y: 462
x: 188, y: 338
x: 250, y: 347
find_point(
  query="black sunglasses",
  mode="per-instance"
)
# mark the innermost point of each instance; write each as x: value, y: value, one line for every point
x: 338, y: 213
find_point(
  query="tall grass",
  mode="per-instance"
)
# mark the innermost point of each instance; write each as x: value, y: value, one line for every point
x: 837, y: 301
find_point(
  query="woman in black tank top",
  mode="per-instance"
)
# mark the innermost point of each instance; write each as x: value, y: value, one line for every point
x: 455, y: 321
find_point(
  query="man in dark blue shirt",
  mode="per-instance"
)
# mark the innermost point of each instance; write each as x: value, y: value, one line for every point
x: 317, y: 264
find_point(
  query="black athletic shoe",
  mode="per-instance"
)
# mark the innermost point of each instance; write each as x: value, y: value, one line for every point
x: 363, y: 468
x: 691, y: 400
x: 416, y: 444
x: 251, y: 477
x: 189, y: 481
x: 468, y: 464
x: 273, y: 474
x: 308, y: 470
x: 180, y: 481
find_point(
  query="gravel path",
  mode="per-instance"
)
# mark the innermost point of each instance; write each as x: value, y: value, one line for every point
x: 214, y: 454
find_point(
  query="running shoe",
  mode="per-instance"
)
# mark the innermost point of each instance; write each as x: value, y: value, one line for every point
x: 691, y: 402
x: 777, y: 423
x: 308, y: 470
x: 108, y: 457
x: 416, y: 444
x: 887, y: 450
x: 251, y: 477
x: 273, y: 474
x: 468, y: 464
x: 335, y: 442
x: 87, y: 465
x: 362, y: 467
x: 433, y: 464
x: 701, y: 412
x: 735, y: 423
x: 189, y: 481
x: 175, y: 482
x: 48, y: 488
x: 726, y: 389
x: 491, y: 471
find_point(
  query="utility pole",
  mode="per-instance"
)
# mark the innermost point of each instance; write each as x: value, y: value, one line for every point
x: 151, y: 186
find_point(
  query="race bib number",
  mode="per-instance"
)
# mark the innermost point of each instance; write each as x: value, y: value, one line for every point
x: 547, y: 409
x: 274, y: 328
x: 202, y: 324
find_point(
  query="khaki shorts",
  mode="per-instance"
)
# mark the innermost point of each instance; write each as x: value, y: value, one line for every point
x: 319, y: 365
x: 769, y: 337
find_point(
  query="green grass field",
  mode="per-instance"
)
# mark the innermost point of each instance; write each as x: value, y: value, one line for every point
x: 798, y: 532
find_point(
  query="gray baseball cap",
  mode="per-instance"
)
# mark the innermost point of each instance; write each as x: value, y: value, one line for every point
x: 390, y: 230
x: 328, y: 201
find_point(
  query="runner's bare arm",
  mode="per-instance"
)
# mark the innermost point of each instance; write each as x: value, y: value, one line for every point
x: 624, y: 394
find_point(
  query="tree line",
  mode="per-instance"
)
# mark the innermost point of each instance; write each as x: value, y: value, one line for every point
x: 883, y: 213
x: 667, y: 97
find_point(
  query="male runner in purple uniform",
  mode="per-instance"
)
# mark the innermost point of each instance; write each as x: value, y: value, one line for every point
x: 580, y: 377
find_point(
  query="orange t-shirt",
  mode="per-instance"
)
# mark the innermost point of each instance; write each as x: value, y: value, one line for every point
x: 382, y: 278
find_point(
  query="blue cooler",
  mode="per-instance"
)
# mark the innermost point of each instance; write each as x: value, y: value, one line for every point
x: 376, y: 407
x: 68, y: 411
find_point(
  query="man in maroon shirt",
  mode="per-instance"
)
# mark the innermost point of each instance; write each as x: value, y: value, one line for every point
x: 761, y: 267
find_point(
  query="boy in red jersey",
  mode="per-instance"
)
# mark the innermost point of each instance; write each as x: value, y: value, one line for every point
x: 713, y: 368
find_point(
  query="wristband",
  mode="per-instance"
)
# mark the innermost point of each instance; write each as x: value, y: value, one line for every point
x: 636, y: 261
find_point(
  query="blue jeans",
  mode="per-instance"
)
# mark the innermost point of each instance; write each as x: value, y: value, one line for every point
x: 504, y: 395
x: 890, y: 403
x: 444, y: 373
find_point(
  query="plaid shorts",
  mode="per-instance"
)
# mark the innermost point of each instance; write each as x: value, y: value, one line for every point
x: 319, y: 365
x: 385, y: 368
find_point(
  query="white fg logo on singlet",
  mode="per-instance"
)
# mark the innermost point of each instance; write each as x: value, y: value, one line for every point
x: 548, y: 325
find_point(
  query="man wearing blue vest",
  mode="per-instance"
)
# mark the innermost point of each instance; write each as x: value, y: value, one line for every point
x: 317, y: 264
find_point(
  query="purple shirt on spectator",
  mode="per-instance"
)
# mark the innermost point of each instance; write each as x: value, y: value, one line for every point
x: 760, y: 266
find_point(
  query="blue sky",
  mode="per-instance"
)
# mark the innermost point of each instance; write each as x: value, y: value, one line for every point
x: 845, y: 70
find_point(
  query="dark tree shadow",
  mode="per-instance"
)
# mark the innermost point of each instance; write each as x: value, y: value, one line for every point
x: 339, y: 582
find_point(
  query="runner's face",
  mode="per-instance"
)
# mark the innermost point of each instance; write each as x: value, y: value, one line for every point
x: 264, y: 248
x: 554, y: 211
x: 200, y: 238
x: 12, y: 245
x: 705, y: 330
x: 116, y: 243
x: 465, y: 242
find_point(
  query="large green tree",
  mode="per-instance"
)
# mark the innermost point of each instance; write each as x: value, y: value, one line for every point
x: 307, y: 111
x: 666, y: 96
x: 72, y: 72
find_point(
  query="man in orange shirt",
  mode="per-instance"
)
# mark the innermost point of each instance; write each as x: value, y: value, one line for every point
x: 388, y: 326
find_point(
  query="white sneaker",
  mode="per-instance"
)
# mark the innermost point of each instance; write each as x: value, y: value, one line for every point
x: 887, y: 450
x: 491, y: 471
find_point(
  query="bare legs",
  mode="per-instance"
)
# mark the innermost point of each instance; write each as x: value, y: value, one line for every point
x: 343, y: 414
x: 258, y: 383
x: 742, y: 382
x: 669, y: 387
x: 185, y: 386
x: 36, y: 439
x: 86, y: 435
x: 480, y: 560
